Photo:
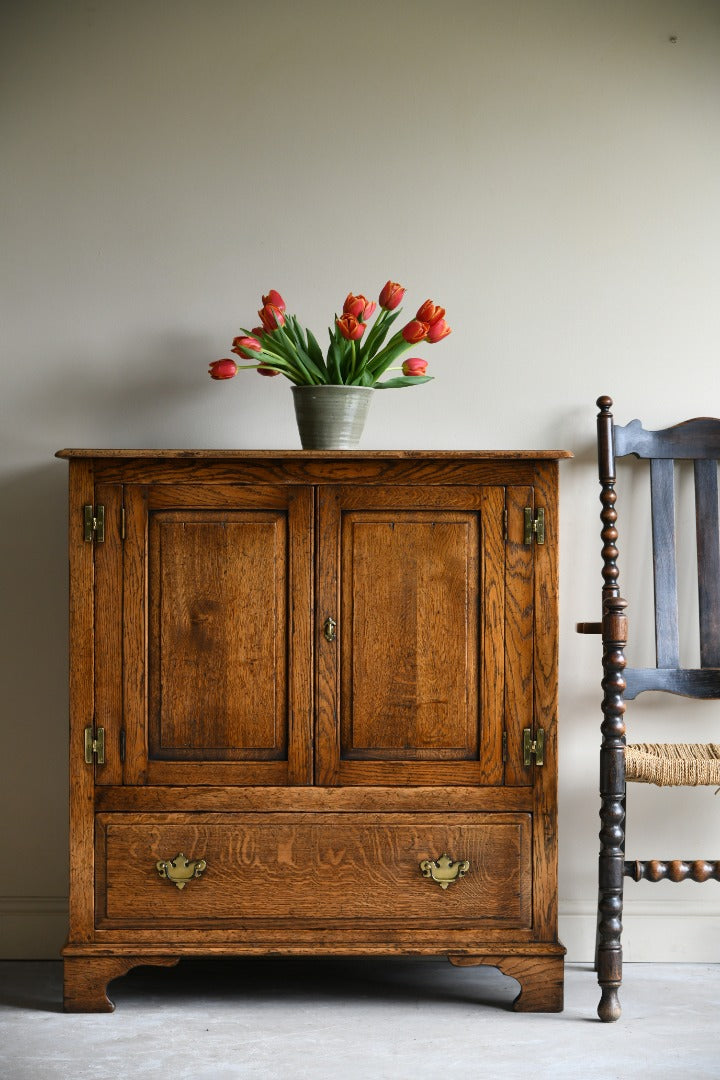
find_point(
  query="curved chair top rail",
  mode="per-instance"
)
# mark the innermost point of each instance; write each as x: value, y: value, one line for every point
x: 694, y: 440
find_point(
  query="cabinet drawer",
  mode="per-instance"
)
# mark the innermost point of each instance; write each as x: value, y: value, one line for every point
x: 313, y: 870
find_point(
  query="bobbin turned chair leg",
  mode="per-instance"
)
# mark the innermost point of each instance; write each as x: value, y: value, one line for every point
x: 609, y: 953
x: 611, y: 875
x: 612, y: 809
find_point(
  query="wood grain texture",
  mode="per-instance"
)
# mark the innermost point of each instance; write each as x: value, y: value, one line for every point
x: 135, y: 635
x: 312, y: 799
x: 545, y: 704
x: 337, y: 942
x: 218, y: 682
x: 312, y: 775
x: 86, y: 978
x: 541, y: 978
x: 408, y: 636
x: 398, y: 696
x: 493, y: 636
x: 108, y: 633
x: 696, y: 439
x: 81, y: 705
x: 662, y: 489
x: 310, y: 456
x: 320, y: 472
x: 304, y: 870
x: 218, y: 654
x: 518, y: 618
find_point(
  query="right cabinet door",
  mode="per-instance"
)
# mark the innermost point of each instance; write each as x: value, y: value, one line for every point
x: 425, y: 635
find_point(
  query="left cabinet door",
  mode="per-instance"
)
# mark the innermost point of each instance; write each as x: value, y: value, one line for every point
x: 216, y: 640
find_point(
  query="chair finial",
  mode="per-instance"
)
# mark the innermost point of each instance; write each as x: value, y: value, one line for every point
x: 604, y: 403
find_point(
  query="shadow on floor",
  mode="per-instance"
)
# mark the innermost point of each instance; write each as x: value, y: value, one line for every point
x: 395, y: 980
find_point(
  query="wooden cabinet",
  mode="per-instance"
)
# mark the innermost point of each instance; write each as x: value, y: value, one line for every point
x: 313, y: 710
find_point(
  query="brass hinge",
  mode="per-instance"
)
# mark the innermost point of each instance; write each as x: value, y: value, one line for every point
x: 123, y: 744
x: 122, y: 522
x: 95, y: 745
x: 505, y: 524
x: 94, y: 523
x: 533, y: 748
x: 504, y: 746
x: 534, y: 526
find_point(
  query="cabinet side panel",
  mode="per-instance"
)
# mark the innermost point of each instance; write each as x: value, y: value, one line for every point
x: 546, y: 691
x: 81, y: 706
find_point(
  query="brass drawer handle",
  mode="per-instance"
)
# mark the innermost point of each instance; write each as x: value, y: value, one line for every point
x: 444, y: 870
x: 180, y: 870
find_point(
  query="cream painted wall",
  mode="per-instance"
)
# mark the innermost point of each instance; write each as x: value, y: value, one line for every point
x: 549, y: 171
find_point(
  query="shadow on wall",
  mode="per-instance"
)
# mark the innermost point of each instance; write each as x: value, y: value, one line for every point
x: 33, y: 675
x: 157, y: 398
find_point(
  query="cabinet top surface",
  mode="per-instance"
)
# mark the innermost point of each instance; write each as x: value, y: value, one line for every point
x: 319, y: 455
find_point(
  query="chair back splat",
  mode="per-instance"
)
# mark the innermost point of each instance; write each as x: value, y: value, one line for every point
x: 696, y: 440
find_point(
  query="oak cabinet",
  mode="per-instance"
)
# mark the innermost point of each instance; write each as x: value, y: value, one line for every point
x: 313, y: 709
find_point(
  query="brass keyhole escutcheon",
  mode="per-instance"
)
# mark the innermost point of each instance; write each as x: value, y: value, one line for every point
x: 330, y: 629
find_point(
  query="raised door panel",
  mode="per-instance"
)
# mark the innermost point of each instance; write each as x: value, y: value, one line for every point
x: 218, y: 593
x: 411, y: 688
x: 408, y: 650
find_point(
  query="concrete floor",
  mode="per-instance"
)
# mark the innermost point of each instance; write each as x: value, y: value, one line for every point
x: 343, y: 1019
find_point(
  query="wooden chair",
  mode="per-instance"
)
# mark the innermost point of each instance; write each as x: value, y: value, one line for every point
x: 664, y: 764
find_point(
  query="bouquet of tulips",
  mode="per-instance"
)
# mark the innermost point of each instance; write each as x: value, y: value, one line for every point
x: 358, y: 354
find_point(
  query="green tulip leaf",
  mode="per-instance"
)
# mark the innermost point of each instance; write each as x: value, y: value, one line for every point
x: 314, y: 350
x: 403, y: 380
x: 334, y: 362
x: 310, y: 371
x: 376, y: 335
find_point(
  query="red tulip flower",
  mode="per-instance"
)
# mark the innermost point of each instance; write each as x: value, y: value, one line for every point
x: 414, y: 366
x: 245, y: 347
x: 223, y: 369
x: 350, y: 327
x: 438, y: 331
x: 430, y: 312
x: 279, y: 345
x: 271, y: 318
x: 415, y: 331
x: 359, y: 306
x: 391, y: 295
x: 274, y: 299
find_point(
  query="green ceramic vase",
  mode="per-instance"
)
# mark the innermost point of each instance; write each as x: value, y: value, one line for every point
x: 331, y: 417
